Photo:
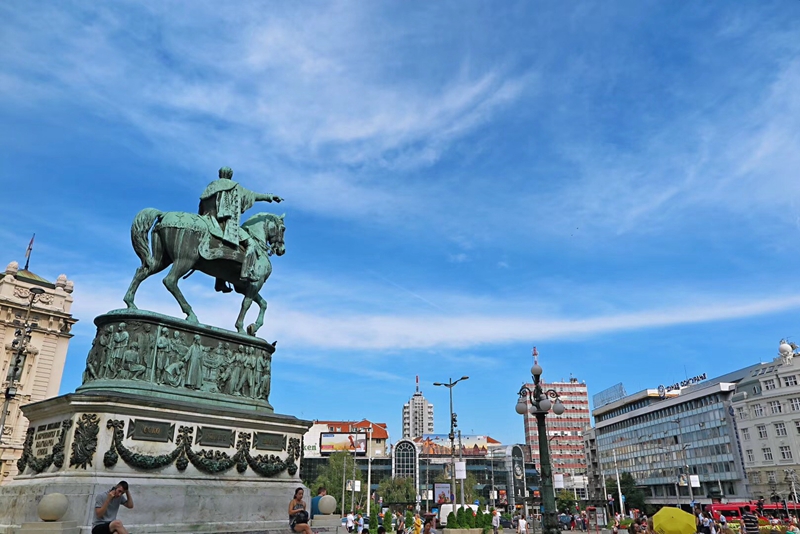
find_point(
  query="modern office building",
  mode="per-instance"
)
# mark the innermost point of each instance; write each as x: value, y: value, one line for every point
x: 39, y: 363
x: 667, y: 437
x: 564, y: 431
x: 417, y: 416
x: 766, y: 406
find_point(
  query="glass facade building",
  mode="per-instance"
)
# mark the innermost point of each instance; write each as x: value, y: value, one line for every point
x: 662, y: 440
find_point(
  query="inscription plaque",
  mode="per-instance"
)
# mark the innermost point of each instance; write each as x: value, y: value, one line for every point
x: 215, y: 437
x: 270, y: 442
x: 143, y: 430
x: 45, y: 438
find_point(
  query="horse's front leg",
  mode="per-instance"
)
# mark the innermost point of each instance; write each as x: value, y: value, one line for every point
x: 246, y: 303
x: 262, y: 309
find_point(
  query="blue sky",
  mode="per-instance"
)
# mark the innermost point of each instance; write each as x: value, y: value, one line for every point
x: 615, y: 183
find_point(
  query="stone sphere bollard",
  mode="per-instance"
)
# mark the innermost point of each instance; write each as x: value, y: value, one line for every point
x: 327, y: 504
x: 52, y: 507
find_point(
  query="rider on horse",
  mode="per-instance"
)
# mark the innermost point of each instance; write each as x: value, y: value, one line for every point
x: 221, y: 204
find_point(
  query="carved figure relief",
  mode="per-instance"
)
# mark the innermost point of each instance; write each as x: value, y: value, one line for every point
x: 141, y: 351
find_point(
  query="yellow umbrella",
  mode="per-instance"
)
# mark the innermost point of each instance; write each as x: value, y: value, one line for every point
x: 670, y: 520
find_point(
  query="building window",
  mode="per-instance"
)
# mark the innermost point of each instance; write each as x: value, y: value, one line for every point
x: 795, y: 403
x: 780, y: 429
x: 758, y: 410
x: 775, y: 407
x: 746, y: 434
x: 769, y: 384
x: 405, y: 460
x: 790, y: 380
x: 762, y: 431
x: 786, y: 452
x: 767, y: 453
x: 741, y: 413
x: 771, y: 477
x: 750, y: 456
x: 755, y: 477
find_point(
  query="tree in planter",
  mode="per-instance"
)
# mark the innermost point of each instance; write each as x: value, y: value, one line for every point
x: 409, y: 520
x: 479, y: 518
x: 373, y: 517
x: 469, y: 517
x: 461, y: 516
x: 452, y: 520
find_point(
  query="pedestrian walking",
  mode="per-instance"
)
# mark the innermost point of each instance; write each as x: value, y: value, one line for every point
x: 495, y: 521
x: 522, y: 525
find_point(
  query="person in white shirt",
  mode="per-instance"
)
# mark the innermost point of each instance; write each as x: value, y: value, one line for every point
x: 495, y: 521
x: 522, y: 525
x: 350, y: 522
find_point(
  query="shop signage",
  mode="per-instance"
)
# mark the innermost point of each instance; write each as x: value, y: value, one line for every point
x: 682, y: 383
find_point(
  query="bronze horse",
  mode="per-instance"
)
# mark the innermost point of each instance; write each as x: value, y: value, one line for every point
x: 176, y: 238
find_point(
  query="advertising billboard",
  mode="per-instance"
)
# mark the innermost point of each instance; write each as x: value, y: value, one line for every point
x: 439, y: 445
x: 331, y: 442
x: 442, y: 493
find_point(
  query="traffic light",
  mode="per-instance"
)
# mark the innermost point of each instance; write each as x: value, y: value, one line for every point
x: 455, y: 420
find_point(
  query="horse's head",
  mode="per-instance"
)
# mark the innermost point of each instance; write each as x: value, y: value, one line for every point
x: 274, y: 229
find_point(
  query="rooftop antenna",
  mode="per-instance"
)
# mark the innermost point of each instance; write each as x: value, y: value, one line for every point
x: 535, y: 354
x: 417, y: 383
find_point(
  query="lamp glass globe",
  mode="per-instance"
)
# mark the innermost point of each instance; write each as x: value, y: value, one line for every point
x: 521, y: 406
x: 544, y: 404
x: 558, y: 408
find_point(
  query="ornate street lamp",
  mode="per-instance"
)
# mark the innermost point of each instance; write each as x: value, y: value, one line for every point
x: 22, y: 336
x: 453, y: 424
x: 537, y: 400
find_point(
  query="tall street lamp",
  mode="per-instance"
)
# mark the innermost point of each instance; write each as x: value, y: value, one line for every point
x: 22, y: 336
x: 452, y: 436
x: 540, y: 404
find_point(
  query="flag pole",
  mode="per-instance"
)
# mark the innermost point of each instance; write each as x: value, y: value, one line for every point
x: 28, y: 252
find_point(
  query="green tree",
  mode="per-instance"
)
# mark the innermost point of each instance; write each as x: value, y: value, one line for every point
x: 565, y: 501
x: 330, y: 476
x: 397, y: 491
x: 452, y: 520
x: 373, y: 517
x: 409, y: 520
x: 634, y: 496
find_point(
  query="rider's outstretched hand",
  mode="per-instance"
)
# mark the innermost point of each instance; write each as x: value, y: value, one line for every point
x: 276, y: 198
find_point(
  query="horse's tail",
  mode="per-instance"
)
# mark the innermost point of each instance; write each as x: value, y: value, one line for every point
x: 140, y: 232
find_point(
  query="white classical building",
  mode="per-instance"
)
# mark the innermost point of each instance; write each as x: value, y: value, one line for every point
x: 40, y: 366
x: 767, y: 410
x: 417, y: 416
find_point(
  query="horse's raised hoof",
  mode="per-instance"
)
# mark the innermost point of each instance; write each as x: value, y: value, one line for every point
x: 192, y: 319
x: 251, y: 329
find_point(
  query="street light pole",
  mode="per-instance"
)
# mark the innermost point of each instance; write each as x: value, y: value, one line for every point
x: 619, y: 486
x: 461, y: 459
x: 23, y: 337
x: 449, y: 385
x: 369, y: 470
x: 685, y: 462
x: 539, y: 401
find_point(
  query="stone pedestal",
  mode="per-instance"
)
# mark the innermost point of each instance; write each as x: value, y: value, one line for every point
x: 180, y: 412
